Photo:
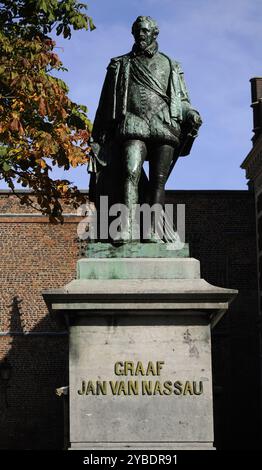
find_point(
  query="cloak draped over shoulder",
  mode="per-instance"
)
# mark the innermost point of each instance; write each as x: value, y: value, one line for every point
x: 112, y: 106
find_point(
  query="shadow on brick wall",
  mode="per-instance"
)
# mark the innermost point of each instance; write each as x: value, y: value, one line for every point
x: 31, y: 413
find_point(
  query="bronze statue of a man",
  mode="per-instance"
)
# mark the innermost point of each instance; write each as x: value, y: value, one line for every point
x: 144, y: 113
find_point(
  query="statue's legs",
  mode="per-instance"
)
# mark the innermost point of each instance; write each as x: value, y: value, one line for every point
x: 160, y: 160
x: 133, y: 154
x: 159, y: 164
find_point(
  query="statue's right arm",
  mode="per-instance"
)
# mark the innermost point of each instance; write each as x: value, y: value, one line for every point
x: 105, y: 112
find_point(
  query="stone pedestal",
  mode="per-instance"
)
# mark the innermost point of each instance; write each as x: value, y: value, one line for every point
x: 140, y: 351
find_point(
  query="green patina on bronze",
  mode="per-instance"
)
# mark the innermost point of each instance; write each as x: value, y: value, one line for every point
x: 144, y: 113
x: 135, y: 250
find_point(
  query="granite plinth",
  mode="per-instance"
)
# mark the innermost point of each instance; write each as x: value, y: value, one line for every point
x: 137, y: 250
x: 138, y: 268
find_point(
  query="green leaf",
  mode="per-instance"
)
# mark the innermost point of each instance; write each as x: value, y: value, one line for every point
x: 51, y: 16
x: 83, y: 108
x: 3, y: 151
x: 13, y: 75
x: 42, y: 5
x: 6, y: 166
x: 91, y: 25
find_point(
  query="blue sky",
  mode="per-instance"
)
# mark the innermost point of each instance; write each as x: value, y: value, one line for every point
x: 219, y: 46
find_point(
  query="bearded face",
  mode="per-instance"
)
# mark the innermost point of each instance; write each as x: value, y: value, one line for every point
x: 144, y: 35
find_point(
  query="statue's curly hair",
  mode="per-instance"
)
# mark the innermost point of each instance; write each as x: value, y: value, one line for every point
x: 150, y: 20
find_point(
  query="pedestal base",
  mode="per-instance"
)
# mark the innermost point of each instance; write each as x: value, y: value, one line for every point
x: 144, y: 379
x: 140, y: 353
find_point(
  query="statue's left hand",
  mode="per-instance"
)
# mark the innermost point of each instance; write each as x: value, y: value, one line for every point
x: 95, y: 146
x: 194, y: 118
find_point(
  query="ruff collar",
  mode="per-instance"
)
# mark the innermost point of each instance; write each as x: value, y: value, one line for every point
x: 150, y: 51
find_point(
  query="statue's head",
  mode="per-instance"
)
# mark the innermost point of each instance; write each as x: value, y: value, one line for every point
x: 145, y: 31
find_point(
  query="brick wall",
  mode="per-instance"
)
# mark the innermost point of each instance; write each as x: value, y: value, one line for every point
x: 35, y: 255
x: 220, y: 227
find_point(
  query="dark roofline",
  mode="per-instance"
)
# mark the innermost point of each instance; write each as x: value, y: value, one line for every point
x: 207, y: 191
x: 168, y: 191
x: 28, y: 191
